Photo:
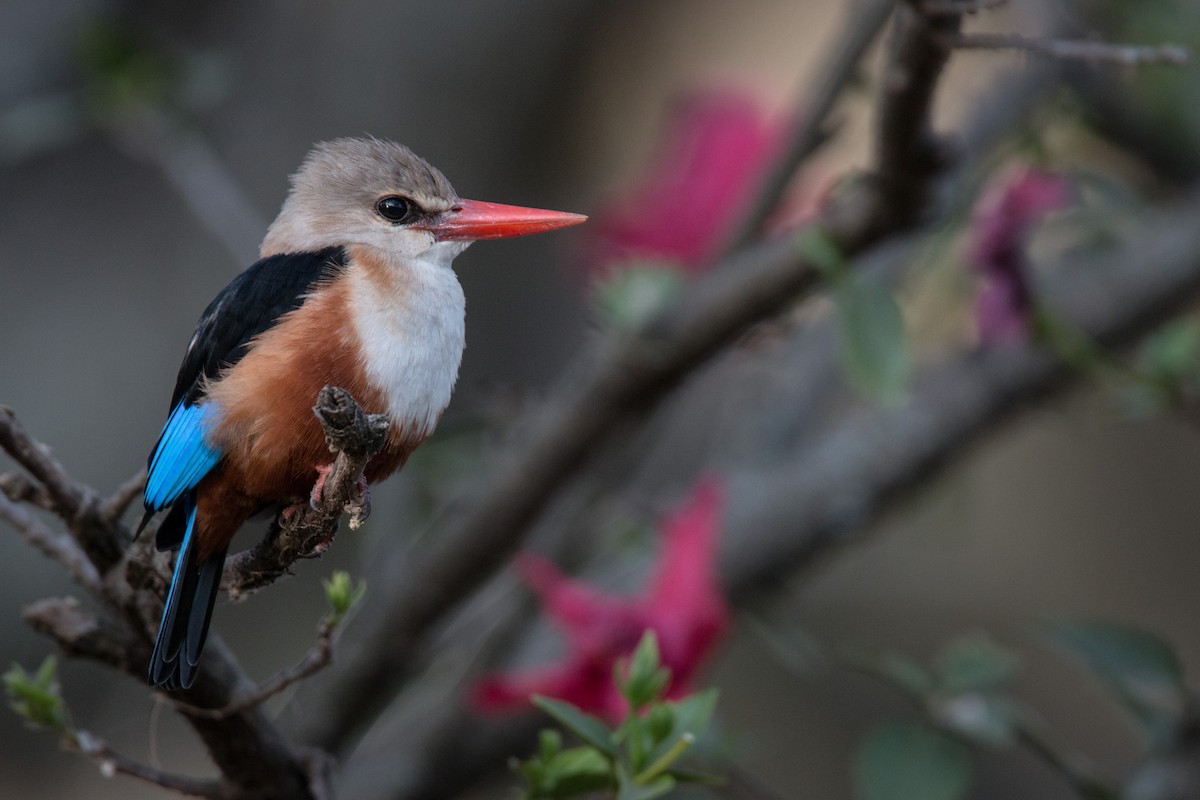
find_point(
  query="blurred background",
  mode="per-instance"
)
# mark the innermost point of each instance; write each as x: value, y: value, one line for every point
x: 144, y: 147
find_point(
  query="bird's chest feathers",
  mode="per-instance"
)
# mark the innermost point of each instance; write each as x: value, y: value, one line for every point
x: 409, y: 321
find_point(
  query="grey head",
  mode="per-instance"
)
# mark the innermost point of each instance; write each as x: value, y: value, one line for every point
x: 363, y: 191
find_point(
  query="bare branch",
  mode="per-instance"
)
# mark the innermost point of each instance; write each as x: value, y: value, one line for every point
x: 113, y: 763
x: 356, y: 437
x: 1128, y: 55
x: 114, y: 507
x: 21, y: 489
x: 53, y: 544
x: 862, y: 28
x: 84, y: 634
x: 317, y: 658
x: 74, y: 503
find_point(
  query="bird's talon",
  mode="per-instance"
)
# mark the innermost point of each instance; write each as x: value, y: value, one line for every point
x: 318, y: 490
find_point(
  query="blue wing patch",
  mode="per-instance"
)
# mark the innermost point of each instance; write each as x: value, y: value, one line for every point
x: 183, y: 455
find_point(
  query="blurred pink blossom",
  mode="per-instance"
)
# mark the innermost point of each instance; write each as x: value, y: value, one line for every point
x: 713, y: 155
x: 683, y: 605
x: 1001, y: 221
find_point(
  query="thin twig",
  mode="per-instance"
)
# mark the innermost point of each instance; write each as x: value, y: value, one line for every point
x: 74, y: 503
x: 114, y: 507
x: 113, y: 763
x: 21, y: 489
x: 863, y: 26
x: 53, y: 544
x: 68, y: 497
x: 317, y: 658
x: 1073, y: 49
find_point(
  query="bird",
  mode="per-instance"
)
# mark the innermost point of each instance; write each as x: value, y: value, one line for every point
x: 353, y: 288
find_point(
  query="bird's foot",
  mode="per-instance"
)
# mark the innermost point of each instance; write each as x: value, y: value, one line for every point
x: 359, y: 506
x: 318, y: 490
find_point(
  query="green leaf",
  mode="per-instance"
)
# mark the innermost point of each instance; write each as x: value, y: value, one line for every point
x: 1139, y: 669
x: 631, y: 296
x: 342, y: 594
x: 642, y: 680
x: 630, y: 789
x: 874, y: 350
x: 37, y: 697
x: 819, y: 248
x: 1172, y: 354
x: 576, y: 771
x: 691, y: 718
x: 974, y: 663
x: 911, y: 761
x: 588, y: 728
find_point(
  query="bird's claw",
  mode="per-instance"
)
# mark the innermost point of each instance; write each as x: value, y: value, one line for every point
x: 359, y: 506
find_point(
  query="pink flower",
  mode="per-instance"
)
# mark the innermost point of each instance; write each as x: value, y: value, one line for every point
x: 1001, y: 221
x: 683, y: 605
x: 711, y: 159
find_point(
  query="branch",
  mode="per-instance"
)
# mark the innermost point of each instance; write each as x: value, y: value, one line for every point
x: 317, y: 658
x: 251, y: 753
x: 863, y: 26
x: 53, y: 544
x: 631, y: 376
x: 1073, y: 49
x: 74, y: 503
x: 113, y: 763
x: 84, y: 634
x: 114, y: 507
x: 841, y: 482
x: 356, y: 437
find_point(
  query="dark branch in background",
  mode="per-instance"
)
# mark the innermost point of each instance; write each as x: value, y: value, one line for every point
x: 843, y: 481
x: 629, y: 378
x: 356, y: 437
x: 866, y: 21
x: 1073, y: 49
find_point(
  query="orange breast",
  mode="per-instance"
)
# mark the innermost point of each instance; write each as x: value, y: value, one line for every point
x: 271, y: 440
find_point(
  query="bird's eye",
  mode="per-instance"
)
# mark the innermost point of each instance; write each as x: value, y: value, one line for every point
x: 397, y: 209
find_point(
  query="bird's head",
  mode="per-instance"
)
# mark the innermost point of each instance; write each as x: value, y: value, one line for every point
x: 381, y: 195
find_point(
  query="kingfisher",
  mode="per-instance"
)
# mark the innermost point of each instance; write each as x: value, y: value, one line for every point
x: 353, y: 288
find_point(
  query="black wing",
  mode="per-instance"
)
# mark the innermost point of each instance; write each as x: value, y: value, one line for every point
x: 249, y: 305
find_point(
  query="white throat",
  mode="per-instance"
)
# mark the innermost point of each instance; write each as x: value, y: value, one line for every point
x: 412, y: 332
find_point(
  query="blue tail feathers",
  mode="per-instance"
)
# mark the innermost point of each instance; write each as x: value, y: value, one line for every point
x: 188, y: 610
